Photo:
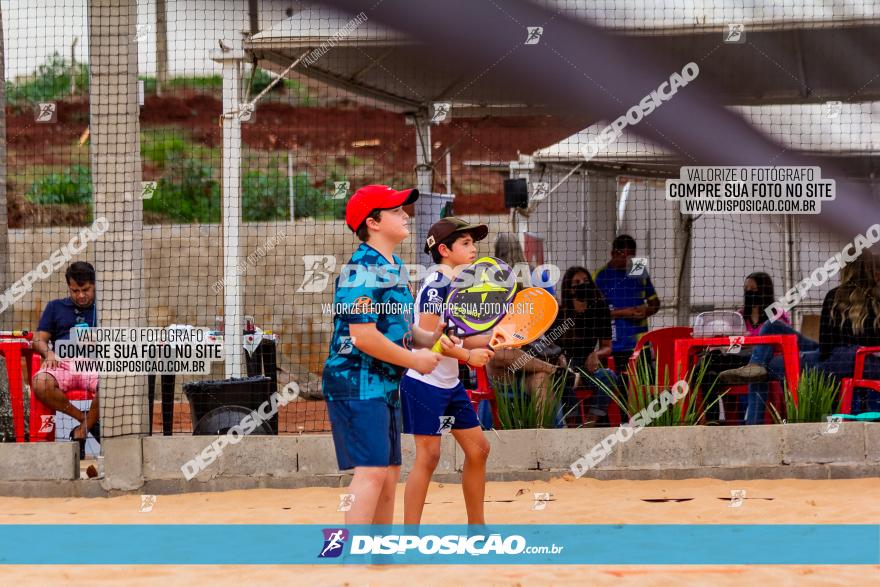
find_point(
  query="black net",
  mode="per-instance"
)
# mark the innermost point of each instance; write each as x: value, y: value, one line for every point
x: 201, y: 155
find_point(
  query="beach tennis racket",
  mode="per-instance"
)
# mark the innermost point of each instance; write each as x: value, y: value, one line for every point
x: 533, y: 311
x: 479, y: 298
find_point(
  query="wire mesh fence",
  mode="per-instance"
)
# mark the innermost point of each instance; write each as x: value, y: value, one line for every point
x: 217, y: 144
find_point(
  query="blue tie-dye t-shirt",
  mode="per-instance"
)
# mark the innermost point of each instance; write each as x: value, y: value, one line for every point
x: 368, y: 290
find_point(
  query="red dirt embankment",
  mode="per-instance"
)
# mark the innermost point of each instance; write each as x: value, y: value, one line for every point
x: 368, y: 143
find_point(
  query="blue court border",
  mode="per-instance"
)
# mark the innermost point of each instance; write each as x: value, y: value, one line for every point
x: 252, y: 544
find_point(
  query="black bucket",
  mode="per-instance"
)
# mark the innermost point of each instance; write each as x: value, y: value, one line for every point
x: 246, y: 392
x: 219, y: 420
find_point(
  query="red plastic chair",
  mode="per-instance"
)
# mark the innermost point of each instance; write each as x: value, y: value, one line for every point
x: 15, y: 346
x: 484, y: 391
x: 662, y: 341
x: 582, y: 394
x: 774, y: 398
x: 42, y: 419
x: 848, y: 384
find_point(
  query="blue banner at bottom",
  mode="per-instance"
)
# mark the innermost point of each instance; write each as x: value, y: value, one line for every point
x: 249, y: 544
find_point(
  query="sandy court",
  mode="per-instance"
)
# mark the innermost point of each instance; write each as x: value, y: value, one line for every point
x: 583, y: 501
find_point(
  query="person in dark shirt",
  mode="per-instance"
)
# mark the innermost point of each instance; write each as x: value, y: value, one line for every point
x: 56, y: 377
x: 630, y: 295
x: 583, y: 331
x: 758, y: 295
x: 850, y: 319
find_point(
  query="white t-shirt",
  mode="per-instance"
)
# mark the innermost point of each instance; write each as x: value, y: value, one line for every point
x: 430, y: 299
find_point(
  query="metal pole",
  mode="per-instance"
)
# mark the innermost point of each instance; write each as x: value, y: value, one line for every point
x: 233, y: 337
x: 73, y: 66
x: 424, y: 173
x: 448, y: 172
x: 253, y: 17
x: 290, y: 185
x: 684, y: 251
x: 161, y: 47
x: 6, y: 313
x: 788, y: 269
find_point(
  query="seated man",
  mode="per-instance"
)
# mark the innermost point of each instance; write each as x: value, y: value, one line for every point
x: 56, y: 377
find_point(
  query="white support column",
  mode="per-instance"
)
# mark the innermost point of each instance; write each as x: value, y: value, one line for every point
x: 792, y: 261
x: 600, y: 219
x: 233, y: 301
x: 684, y: 253
x: 114, y: 123
x: 424, y: 173
x: 5, y: 313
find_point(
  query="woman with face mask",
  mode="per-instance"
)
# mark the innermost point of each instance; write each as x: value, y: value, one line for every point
x: 850, y: 319
x: 583, y: 327
x: 758, y: 294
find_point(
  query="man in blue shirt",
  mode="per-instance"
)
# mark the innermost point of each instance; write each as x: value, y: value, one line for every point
x: 56, y: 377
x: 630, y: 296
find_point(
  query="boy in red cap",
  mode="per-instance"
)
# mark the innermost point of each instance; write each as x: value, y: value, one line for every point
x: 367, y: 357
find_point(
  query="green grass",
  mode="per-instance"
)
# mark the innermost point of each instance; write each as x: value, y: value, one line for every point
x: 51, y: 81
x: 203, y: 82
x: 160, y: 144
x: 214, y: 83
x: 197, y: 82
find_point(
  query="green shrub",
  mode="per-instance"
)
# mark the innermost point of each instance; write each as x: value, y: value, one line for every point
x: 73, y: 186
x: 261, y: 80
x: 642, y: 389
x: 266, y: 196
x: 160, y: 147
x: 186, y: 193
x: 51, y: 81
x: 818, y: 395
x: 199, y: 82
x: 518, y: 408
x: 149, y: 84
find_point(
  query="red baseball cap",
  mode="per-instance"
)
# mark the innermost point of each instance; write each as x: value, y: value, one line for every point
x: 375, y: 197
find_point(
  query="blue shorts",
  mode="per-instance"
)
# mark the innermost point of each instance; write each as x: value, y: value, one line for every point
x: 426, y: 408
x: 366, y: 433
